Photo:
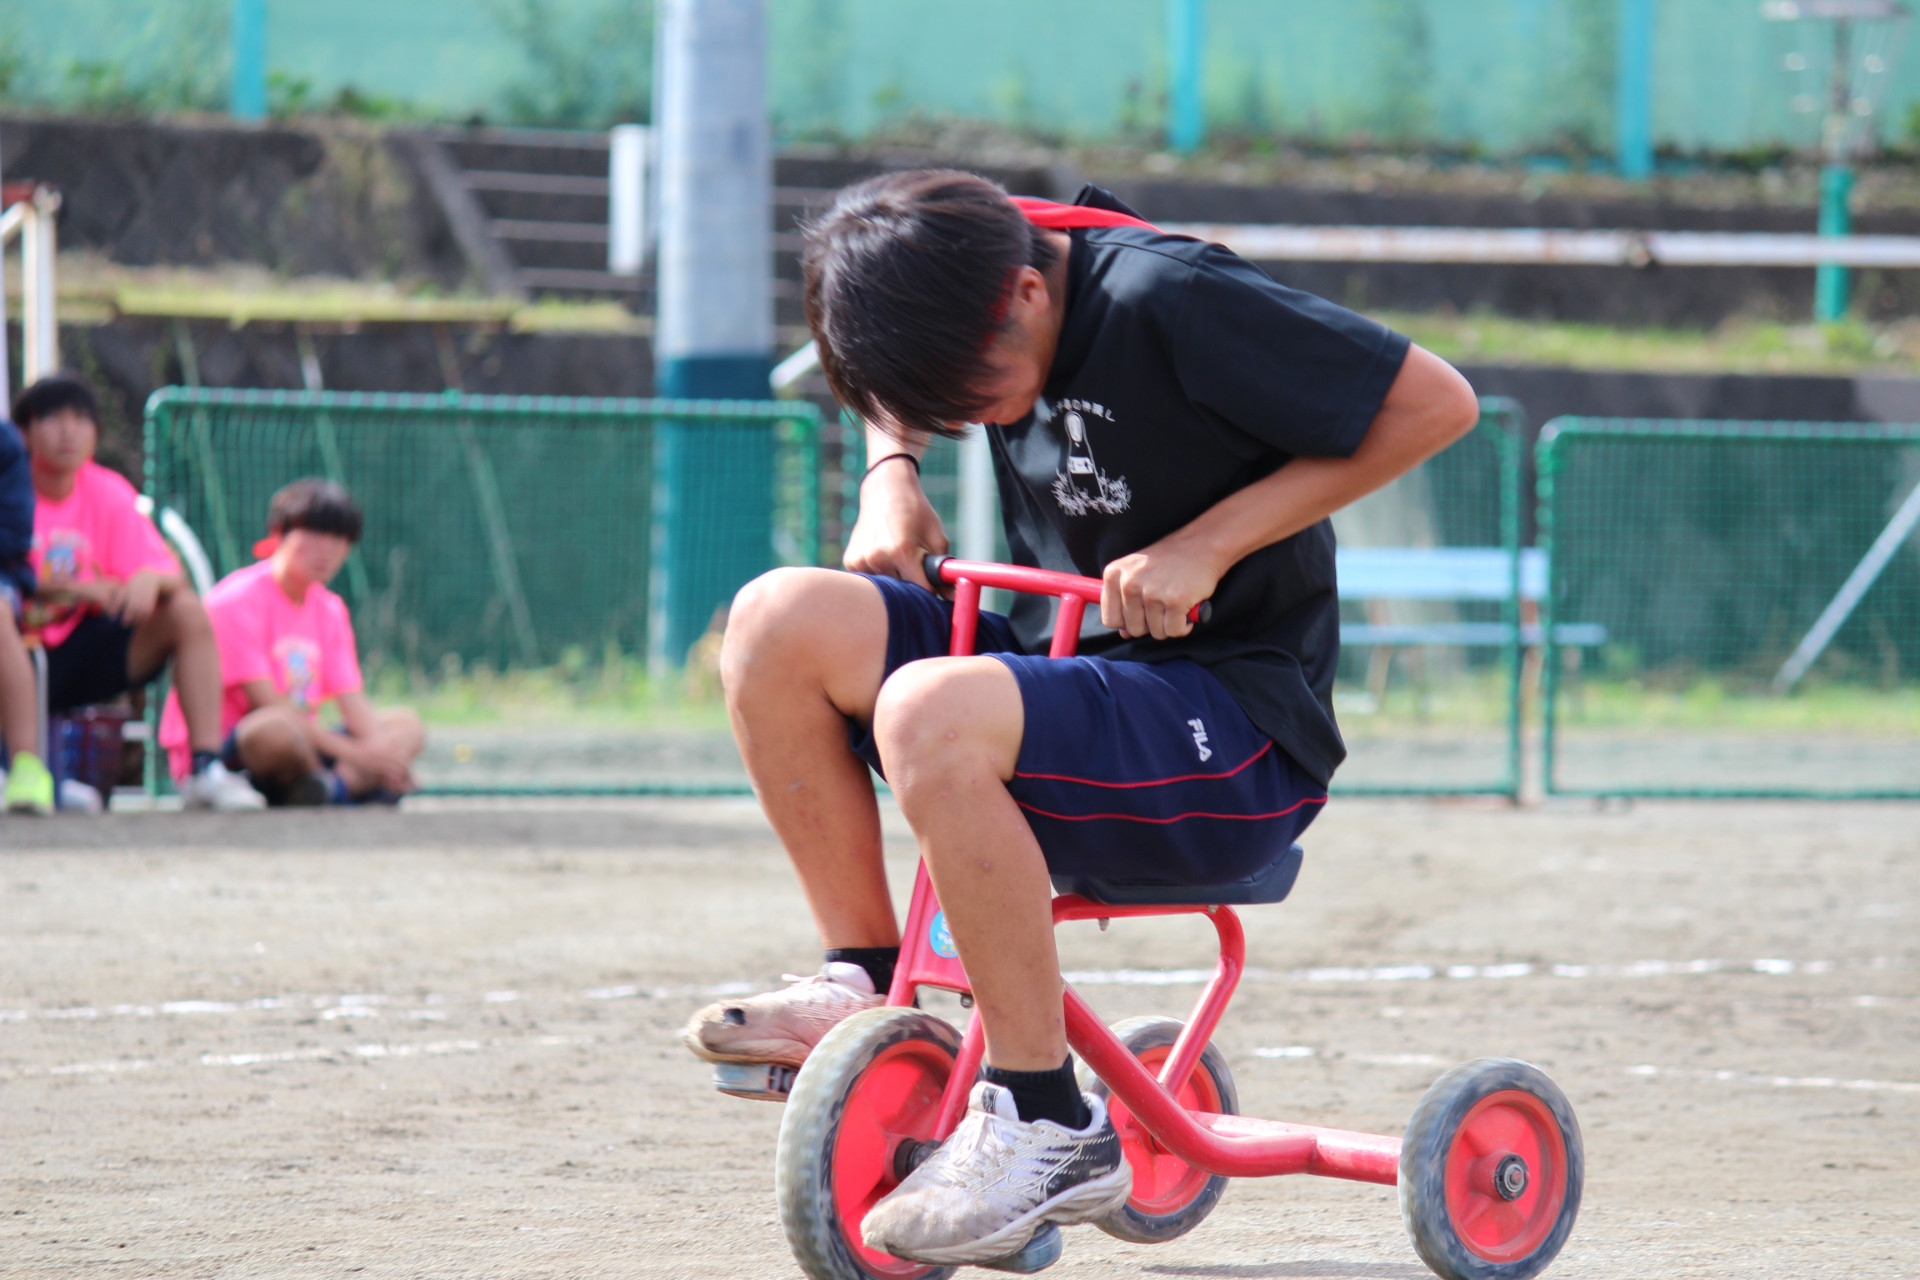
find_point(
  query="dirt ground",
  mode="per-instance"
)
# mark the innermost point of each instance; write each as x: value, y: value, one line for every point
x: 441, y: 1042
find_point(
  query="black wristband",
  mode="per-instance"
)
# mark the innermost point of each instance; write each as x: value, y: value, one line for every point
x: 889, y: 458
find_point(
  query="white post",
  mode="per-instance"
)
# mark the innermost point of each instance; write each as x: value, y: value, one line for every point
x: 974, y: 533
x: 628, y: 146
x: 47, y: 204
x: 39, y: 310
x: 32, y: 366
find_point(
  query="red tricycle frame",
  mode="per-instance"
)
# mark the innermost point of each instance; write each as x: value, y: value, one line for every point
x: 1230, y: 1145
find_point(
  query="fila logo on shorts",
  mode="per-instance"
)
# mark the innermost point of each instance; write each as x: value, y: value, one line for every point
x: 1200, y: 739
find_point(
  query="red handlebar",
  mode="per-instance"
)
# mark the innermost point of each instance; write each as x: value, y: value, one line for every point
x: 1075, y: 592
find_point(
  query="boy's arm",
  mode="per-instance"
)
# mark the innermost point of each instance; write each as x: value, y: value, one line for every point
x: 897, y: 526
x: 1428, y: 407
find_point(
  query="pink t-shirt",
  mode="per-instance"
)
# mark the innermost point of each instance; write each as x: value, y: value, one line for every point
x: 305, y: 650
x: 95, y: 532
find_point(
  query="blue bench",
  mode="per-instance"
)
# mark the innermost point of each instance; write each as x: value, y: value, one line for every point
x: 1451, y: 575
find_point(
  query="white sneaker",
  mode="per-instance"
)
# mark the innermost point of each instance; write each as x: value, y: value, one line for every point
x: 781, y: 1026
x: 218, y: 788
x: 997, y: 1181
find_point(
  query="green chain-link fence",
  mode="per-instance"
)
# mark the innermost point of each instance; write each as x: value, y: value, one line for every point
x: 539, y: 576
x: 1754, y: 593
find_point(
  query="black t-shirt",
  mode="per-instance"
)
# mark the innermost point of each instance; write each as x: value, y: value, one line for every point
x: 1183, y: 375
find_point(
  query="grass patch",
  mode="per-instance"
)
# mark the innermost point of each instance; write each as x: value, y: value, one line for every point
x: 1738, y: 346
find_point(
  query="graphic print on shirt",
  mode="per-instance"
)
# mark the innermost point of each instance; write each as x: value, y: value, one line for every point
x: 298, y: 660
x: 1083, y: 488
x: 62, y: 555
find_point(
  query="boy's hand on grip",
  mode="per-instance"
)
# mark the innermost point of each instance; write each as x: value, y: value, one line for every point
x: 1154, y: 592
x: 897, y: 526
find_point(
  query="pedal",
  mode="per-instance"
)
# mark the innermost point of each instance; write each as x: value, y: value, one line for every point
x: 759, y: 1081
x: 1040, y: 1253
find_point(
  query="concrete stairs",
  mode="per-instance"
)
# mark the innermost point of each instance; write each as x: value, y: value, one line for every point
x: 529, y: 207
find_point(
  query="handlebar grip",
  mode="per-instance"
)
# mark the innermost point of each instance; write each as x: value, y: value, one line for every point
x: 1201, y: 614
x: 930, y: 565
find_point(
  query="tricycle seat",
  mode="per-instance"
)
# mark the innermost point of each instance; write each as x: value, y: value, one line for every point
x: 1271, y: 883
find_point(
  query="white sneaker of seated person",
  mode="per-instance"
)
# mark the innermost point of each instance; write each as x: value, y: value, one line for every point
x: 997, y: 1181
x: 218, y: 788
x: 781, y: 1026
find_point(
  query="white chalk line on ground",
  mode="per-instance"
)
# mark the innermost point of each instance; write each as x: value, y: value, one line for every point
x: 373, y: 1005
x: 364, y: 1052
x: 1299, y: 1052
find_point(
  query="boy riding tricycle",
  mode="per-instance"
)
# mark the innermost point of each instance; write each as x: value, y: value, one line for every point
x: 1170, y: 431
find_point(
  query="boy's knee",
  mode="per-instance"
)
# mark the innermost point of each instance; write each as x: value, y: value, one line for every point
x: 943, y: 717
x: 188, y: 615
x: 789, y: 613
x: 404, y: 725
x: 271, y: 741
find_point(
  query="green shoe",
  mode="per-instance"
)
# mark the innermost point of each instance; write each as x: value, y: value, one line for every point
x: 29, y: 785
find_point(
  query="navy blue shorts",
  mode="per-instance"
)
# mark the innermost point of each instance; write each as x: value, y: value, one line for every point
x: 1130, y: 770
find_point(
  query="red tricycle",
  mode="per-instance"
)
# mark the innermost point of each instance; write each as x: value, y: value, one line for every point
x: 1489, y: 1171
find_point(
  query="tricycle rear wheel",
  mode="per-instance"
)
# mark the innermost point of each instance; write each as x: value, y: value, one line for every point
x: 1170, y: 1197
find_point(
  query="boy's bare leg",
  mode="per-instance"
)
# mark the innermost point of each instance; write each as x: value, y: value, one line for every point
x: 273, y: 745
x: 179, y: 628
x: 949, y: 731
x: 19, y: 700
x: 805, y: 649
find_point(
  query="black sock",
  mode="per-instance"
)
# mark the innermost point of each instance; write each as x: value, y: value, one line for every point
x: 1044, y: 1095
x: 877, y: 961
x: 201, y: 759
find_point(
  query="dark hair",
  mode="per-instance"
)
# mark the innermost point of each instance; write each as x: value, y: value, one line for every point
x: 906, y: 285
x: 317, y: 505
x: 50, y: 395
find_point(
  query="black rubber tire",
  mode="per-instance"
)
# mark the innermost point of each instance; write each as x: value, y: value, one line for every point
x: 810, y: 1126
x: 1129, y: 1223
x: 1423, y: 1163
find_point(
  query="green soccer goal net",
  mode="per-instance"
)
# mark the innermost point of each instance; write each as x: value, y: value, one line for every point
x: 543, y: 578
x: 1746, y: 597
x: 1432, y: 598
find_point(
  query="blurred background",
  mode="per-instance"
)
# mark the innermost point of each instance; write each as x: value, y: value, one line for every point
x: 532, y: 198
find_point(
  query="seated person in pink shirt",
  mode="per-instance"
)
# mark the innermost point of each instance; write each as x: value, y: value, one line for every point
x: 112, y: 606
x: 286, y: 650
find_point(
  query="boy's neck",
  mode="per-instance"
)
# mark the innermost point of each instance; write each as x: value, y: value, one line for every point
x: 53, y: 484
x: 291, y: 584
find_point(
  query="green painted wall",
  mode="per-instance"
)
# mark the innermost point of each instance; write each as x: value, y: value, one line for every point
x: 1499, y: 74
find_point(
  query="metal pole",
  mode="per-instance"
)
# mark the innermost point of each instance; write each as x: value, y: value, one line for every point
x: 33, y: 365
x: 713, y: 481
x: 249, y: 34
x: 1830, y: 282
x: 1858, y: 583
x: 1633, y: 107
x: 1186, y: 113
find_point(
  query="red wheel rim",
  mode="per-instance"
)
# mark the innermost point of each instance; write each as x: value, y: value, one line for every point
x: 1502, y: 1125
x: 896, y: 1098
x: 1163, y: 1183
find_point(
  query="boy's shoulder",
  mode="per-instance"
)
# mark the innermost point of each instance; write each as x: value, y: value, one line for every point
x: 105, y: 486
x: 240, y: 584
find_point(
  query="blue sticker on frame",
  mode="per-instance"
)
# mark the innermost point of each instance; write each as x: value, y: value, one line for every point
x: 940, y: 938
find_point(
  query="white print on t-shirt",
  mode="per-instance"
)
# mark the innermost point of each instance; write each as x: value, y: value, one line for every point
x: 1083, y: 488
x: 1200, y: 740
